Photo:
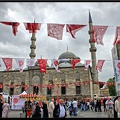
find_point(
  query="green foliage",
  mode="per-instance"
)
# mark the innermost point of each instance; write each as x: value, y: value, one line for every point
x: 111, y: 87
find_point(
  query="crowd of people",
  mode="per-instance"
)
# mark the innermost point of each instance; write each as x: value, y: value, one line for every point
x: 62, y: 107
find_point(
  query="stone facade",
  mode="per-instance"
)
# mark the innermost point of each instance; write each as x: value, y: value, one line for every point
x: 32, y: 76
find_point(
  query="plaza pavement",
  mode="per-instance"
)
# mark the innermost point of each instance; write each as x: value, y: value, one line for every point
x: 86, y: 114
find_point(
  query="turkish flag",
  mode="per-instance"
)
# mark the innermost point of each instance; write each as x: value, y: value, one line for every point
x: 74, y: 62
x: 14, y: 26
x: 72, y: 29
x: 98, y: 33
x: 117, y: 36
x: 8, y: 63
x: 55, y: 30
x: 42, y: 64
x: 100, y: 65
x: 32, y: 27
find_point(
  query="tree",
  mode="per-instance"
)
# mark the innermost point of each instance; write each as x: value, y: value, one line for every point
x: 111, y: 86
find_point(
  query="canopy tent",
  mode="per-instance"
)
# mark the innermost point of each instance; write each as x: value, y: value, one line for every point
x: 23, y: 93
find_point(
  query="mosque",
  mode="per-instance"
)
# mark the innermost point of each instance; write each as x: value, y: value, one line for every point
x: 67, y: 83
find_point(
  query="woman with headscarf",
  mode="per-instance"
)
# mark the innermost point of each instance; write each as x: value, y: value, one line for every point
x: 45, y: 111
x: 37, y: 111
x: 6, y: 109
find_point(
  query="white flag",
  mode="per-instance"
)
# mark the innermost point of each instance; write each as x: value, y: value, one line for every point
x: 30, y: 62
x: 20, y: 62
x: 100, y: 65
x: 87, y: 63
x: 55, y: 64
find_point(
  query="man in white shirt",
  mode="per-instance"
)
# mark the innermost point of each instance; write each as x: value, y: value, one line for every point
x: 51, y: 108
x: 75, y: 103
x: 109, y: 104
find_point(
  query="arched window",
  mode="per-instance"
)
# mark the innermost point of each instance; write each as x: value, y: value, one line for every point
x: 49, y: 92
x: 78, y: 87
x: 50, y: 81
x: 77, y: 76
x: 35, y: 90
x: 22, y: 87
x: 63, y: 88
x: 12, y: 89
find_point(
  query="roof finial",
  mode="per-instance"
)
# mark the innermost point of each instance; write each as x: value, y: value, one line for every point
x: 67, y: 49
x: 34, y: 19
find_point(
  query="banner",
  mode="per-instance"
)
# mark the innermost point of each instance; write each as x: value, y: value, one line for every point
x: 17, y: 103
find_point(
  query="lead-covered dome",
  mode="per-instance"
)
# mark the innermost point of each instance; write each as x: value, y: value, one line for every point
x: 67, y: 55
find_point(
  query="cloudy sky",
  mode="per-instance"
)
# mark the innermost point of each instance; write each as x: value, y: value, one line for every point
x: 63, y: 13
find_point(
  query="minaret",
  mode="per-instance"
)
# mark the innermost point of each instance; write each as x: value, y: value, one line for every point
x: 32, y: 46
x: 93, y: 49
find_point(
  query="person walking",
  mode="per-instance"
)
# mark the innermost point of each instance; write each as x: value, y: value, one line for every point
x: 33, y: 109
x: 45, y: 110
x: 75, y: 103
x: 109, y: 104
x: 60, y: 110
x: 51, y: 108
x: 117, y: 107
x: 37, y: 111
x: 6, y: 109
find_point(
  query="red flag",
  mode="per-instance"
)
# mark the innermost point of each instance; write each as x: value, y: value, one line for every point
x: 8, y: 63
x: 100, y: 65
x: 98, y: 33
x: 117, y: 36
x: 14, y: 26
x: 55, y: 30
x: 32, y: 27
x: 42, y: 64
x: 1, y: 86
x: 72, y: 29
x: 74, y: 62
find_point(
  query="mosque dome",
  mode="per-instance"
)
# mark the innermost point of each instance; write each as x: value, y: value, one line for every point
x: 68, y: 55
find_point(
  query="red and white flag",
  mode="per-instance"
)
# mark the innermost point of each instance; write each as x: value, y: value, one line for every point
x: 100, y: 65
x: 32, y: 27
x: 8, y: 63
x: 30, y: 62
x: 55, y: 64
x: 74, y: 62
x: 87, y: 63
x: 42, y: 63
x: 117, y: 36
x: 117, y: 66
x: 14, y: 26
x: 20, y: 63
x: 55, y: 30
x: 98, y: 33
x: 72, y: 29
